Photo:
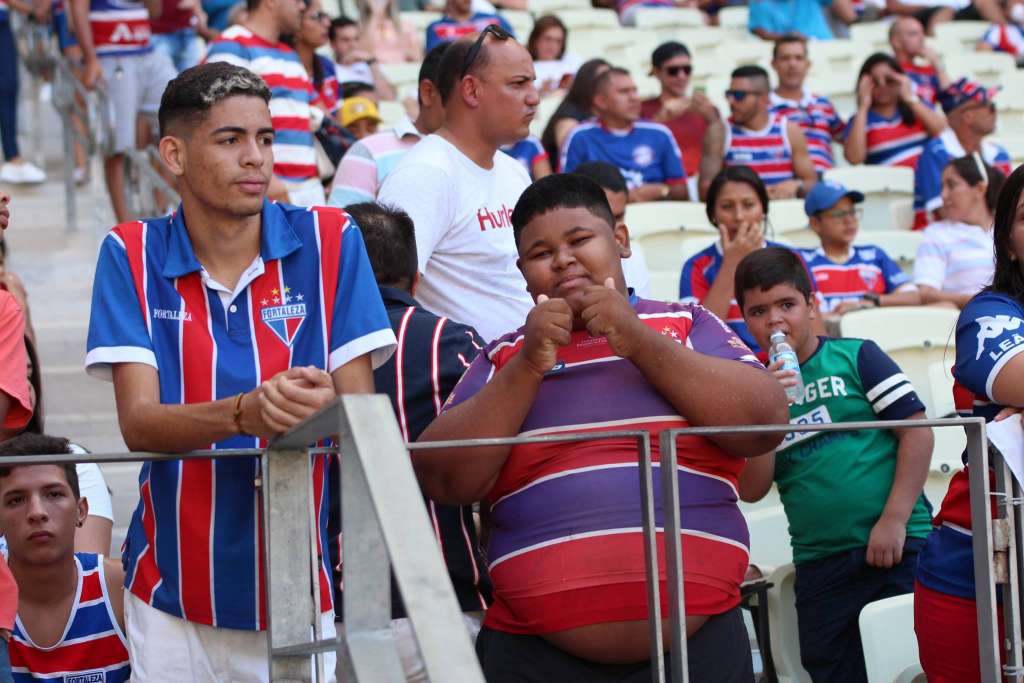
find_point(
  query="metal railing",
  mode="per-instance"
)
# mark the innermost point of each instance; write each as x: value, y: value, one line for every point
x: 385, y: 526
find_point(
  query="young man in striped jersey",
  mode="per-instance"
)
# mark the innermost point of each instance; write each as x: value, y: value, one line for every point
x: 857, y: 514
x: 565, y: 556
x: 70, y: 623
x: 223, y: 325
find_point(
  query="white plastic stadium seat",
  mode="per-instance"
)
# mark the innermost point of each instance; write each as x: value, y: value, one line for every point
x: 419, y: 20
x: 545, y: 109
x: 590, y: 43
x: 390, y: 113
x: 769, y: 537
x: 668, y: 250
x: 403, y: 76
x: 542, y: 7
x: 1014, y: 147
x: 900, y: 245
x: 582, y: 19
x: 786, y: 215
x: 644, y: 218
x: 890, y: 644
x: 1010, y: 107
x: 522, y: 23
x: 836, y: 58
x: 873, y: 33
x: 917, y: 338
x: 782, y: 626
x: 985, y: 67
x: 668, y: 17
x: 735, y: 21
x: 882, y: 186
x: 962, y: 34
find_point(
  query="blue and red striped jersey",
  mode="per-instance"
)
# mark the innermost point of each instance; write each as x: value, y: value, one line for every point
x: 989, y: 333
x: 92, y: 648
x: 194, y: 547
x: 767, y: 151
x: 291, y: 92
x: 565, y: 550
x: 700, y: 271
x: 937, y: 154
x: 119, y: 27
x: 527, y: 152
x: 447, y: 29
x: 867, y: 269
x: 646, y: 153
x: 926, y: 80
x: 818, y: 119
x: 890, y: 141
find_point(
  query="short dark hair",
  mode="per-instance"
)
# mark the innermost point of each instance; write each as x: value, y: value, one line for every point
x: 606, y: 175
x: 967, y: 168
x: 339, y: 23
x: 190, y: 96
x: 602, y: 81
x: 735, y: 174
x: 1008, y: 278
x: 769, y: 267
x: 354, y: 89
x: 390, y: 243
x: 544, y: 23
x: 431, y: 65
x: 788, y: 39
x: 28, y: 443
x: 449, y: 71
x: 667, y: 51
x: 560, y: 191
x: 753, y: 72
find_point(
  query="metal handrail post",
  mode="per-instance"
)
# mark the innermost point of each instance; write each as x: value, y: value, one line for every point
x: 981, y: 539
x: 1006, y: 503
x: 651, y: 558
x: 673, y: 555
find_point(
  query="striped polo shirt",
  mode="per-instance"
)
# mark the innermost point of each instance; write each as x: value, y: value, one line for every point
x: 890, y: 141
x: 527, y: 152
x: 955, y: 257
x: 291, y: 96
x: 818, y: 119
x: 566, y: 549
x: 119, y: 27
x: 369, y: 161
x: 1008, y: 38
x: 925, y: 78
x: 867, y: 268
x: 92, y: 647
x: 766, y: 151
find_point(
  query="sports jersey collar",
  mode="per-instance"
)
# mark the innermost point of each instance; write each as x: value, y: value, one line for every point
x: 956, y: 150
x: 807, y: 98
x: 404, y: 126
x: 277, y: 240
x: 398, y: 296
x: 618, y: 133
x: 846, y: 259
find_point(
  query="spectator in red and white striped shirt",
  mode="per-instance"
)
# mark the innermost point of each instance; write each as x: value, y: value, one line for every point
x: 920, y: 63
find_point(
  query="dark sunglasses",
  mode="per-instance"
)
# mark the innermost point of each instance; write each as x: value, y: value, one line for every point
x: 675, y: 70
x: 494, y: 30
x: 740, y: 95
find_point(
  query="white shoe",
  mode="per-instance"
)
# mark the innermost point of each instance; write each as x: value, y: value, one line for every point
x: 45, y: 93
x: 21, y: 174
x: 80, y: 176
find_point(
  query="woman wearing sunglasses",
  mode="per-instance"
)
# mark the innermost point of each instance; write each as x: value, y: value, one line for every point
x: 688, y: 117
x: 892, y: 124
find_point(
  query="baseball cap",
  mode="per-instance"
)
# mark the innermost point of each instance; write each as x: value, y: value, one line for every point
x: 667, y: 51
x: 963, y: 91
x: 825, y: 194
x: 355, y: 108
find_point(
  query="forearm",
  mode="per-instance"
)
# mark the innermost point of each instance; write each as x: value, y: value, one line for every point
x: 933, y: 121
x: 712, y: 151
x: 931, y: 295
x: 83, y: 30
x: 743, y: 395
x: 756, y: 478
x: 678, y: 192
x: 459, y: 476
x: 912, y: 461
x: 154, y: 7
x: 177, y: 428
x: 911, y: 297
x: 385, y: 89
x: 855, y: 147
x: 650, y: 192
x: 720, y: 296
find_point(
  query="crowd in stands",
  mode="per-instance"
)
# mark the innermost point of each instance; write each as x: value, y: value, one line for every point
x: 485, y: 278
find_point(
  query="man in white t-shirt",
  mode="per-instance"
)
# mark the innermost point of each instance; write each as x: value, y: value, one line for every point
x: 352, y: 64
x: 460, y: 189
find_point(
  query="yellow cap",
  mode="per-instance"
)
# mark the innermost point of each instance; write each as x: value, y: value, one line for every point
x: 355, y: 108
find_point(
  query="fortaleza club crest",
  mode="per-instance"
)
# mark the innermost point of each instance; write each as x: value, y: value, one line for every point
x: 283, y: 313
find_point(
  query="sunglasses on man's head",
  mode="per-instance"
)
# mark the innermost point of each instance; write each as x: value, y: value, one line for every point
x: 474, y: 51
x: 740, y: 95
x: 675, y: 70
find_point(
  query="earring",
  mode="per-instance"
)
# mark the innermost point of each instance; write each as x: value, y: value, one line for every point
x: 79, y: 525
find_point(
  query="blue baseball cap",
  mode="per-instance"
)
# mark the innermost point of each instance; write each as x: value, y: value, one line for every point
x: 826, y: 194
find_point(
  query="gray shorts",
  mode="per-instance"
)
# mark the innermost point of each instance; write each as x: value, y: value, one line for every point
x: 134, y: 84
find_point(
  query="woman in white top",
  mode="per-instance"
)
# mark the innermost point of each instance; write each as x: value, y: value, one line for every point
x: 554, y: 68
x: 955, y: 259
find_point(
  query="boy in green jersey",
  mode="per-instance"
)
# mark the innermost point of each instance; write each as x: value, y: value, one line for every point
x: 857, y: 514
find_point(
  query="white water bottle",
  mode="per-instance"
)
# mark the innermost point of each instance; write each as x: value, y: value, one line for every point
x: 781, y: 350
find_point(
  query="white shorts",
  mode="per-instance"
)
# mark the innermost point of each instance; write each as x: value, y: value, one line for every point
x: 134, y: 84
x: 163, y: 647
x: 412, y: 661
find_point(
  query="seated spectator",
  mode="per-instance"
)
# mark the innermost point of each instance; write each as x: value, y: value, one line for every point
x: 775, y: 148
x: 575, y: 108
x: 849, y: 276
x: 934, y: 12
x: 816, y: 115
x: 737, y: 204
x: 368, y: 162
x: 772, y: 19
x: 892, y: 123
x: 460, y: 21
x: 312, y: 34
x: 954, y: 261
x: 433, y: 353
x: 357, y: 89
x: 8, y: 613
x: 1008, y: 37
x: 353, y: 64
x: 359, y: 116
x: 70, y: 605
x: 609, y: 178
x: 920, y: 63
x: 627, y: 8
x: 645, y: 152
x: 530, y: 153
x: 972, y: 117
x: 572, y: 606
x: 176, y: 34
x: 387, y: 36
x: 989, y: 374
x: 15, y: 170
x: 866, y: 483
x: 555, y: 69
x: 688, y: 117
